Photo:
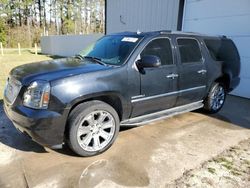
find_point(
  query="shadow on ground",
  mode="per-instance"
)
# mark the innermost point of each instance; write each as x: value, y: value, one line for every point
x: 236, y: 111
x: 13, y: 138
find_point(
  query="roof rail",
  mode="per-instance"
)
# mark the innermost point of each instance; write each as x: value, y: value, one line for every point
x: 165, y: 31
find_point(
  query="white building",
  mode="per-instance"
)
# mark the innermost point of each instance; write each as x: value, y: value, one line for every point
x: 215, y: 17
x: 143, y: 15
x: 225, y: 17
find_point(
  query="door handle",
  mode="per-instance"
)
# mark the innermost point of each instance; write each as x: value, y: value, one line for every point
x: 172, y: 76
x: 202, y: 71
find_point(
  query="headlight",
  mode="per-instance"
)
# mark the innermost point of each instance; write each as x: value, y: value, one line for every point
x: 37, y: 95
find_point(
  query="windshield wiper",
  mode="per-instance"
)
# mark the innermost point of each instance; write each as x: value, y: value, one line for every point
x: 96, y: 59
x: 78, y: 56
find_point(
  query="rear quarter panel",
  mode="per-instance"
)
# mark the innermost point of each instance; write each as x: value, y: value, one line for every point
x: 214, y: 69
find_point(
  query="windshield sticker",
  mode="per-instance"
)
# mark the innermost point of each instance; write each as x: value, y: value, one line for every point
x: 129, y: 39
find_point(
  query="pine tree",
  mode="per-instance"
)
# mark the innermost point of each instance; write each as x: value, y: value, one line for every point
x: 2, y: 32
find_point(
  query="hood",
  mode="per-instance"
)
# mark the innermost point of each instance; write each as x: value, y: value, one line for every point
x: 55, y: 69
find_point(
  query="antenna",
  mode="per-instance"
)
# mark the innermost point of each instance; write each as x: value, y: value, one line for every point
x: 138, y: 32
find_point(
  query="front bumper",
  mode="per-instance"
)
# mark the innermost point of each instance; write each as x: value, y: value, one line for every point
x: 43, y: 126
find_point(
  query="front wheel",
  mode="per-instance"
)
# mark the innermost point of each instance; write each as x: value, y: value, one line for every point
x: 93, y: 127
x: 215, y: 99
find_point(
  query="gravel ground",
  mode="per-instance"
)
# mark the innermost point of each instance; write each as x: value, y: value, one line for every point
x: 230, y: 169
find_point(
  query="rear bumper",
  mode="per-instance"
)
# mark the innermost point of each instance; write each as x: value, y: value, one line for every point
x: 234, y: 83
x: 43, y: 126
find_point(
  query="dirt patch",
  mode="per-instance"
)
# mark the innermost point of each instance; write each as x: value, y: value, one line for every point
x: 229, y: 169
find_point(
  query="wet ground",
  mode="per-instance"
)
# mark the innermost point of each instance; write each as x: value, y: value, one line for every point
x: 154, y: 155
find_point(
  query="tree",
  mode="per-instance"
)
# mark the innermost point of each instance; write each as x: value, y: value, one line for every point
x: 24, y: 20
x: 40, y: 12
x: 2, y: 32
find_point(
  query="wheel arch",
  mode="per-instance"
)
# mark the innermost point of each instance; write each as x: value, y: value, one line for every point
x: 225, y: 79
x: 112, y: 98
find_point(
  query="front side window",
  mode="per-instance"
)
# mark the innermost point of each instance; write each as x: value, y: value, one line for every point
x: 160, y: 48
x: 112, y: 49
x: 189, y: 50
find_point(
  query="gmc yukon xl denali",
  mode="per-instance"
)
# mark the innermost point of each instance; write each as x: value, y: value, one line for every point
x: 124, y: 79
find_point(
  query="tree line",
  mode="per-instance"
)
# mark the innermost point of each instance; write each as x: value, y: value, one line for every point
x: 24, y: 21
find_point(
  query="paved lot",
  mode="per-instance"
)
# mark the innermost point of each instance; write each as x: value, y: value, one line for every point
x: 153, y: 155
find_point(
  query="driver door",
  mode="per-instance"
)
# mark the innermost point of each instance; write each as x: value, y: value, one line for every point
x: 158, y: 85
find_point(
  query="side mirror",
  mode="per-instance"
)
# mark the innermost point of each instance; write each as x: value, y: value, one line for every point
x: 148, y: 61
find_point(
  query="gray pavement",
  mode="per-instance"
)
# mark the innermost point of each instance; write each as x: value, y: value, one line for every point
x: 153, y: 155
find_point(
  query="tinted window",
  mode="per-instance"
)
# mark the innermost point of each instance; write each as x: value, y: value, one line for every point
x: 222, y: 50
x: 112, y: 49
x: 189, y: 50
x: 160, y: 48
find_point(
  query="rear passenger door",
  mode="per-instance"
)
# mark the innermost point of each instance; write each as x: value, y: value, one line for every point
x: 192, y: 71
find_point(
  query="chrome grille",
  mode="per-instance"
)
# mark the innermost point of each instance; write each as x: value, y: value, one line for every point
x: 12, y: 89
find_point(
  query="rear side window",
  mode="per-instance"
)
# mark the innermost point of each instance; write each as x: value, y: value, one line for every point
x: 160, y: 48
x: 189, y: 50
x: 222, y: 49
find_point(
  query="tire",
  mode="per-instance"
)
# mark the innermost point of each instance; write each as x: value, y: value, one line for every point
x: 93, y: 128
x: 215, y: 99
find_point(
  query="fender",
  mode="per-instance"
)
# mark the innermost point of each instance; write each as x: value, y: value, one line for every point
x: 78, y: 89
x: 104, y: 96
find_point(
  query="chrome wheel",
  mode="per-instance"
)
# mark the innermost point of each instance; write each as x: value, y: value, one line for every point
x: 218, y: 97
x: 96, y: 130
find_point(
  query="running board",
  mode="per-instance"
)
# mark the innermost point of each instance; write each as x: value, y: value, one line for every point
x: 140, y: 120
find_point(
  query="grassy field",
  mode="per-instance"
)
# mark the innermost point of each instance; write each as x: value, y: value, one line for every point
x: 9, y: 61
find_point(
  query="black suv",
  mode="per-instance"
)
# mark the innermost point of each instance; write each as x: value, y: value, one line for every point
x: 123, y: 79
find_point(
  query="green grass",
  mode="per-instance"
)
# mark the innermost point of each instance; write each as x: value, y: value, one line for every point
x: 211, y: 170
x: 227, y: 166
x: 235, y: 173
x: 222, y: 160
x: 9, y: 61
x: 247, y: 162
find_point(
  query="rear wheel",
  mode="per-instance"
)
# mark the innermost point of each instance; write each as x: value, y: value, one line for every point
x: 93, y: 127
x: 216, y: 98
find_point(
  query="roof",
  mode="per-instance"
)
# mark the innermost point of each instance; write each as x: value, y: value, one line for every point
x: 162, y: 32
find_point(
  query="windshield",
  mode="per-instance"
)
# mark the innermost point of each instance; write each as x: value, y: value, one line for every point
x: 113, y: 49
